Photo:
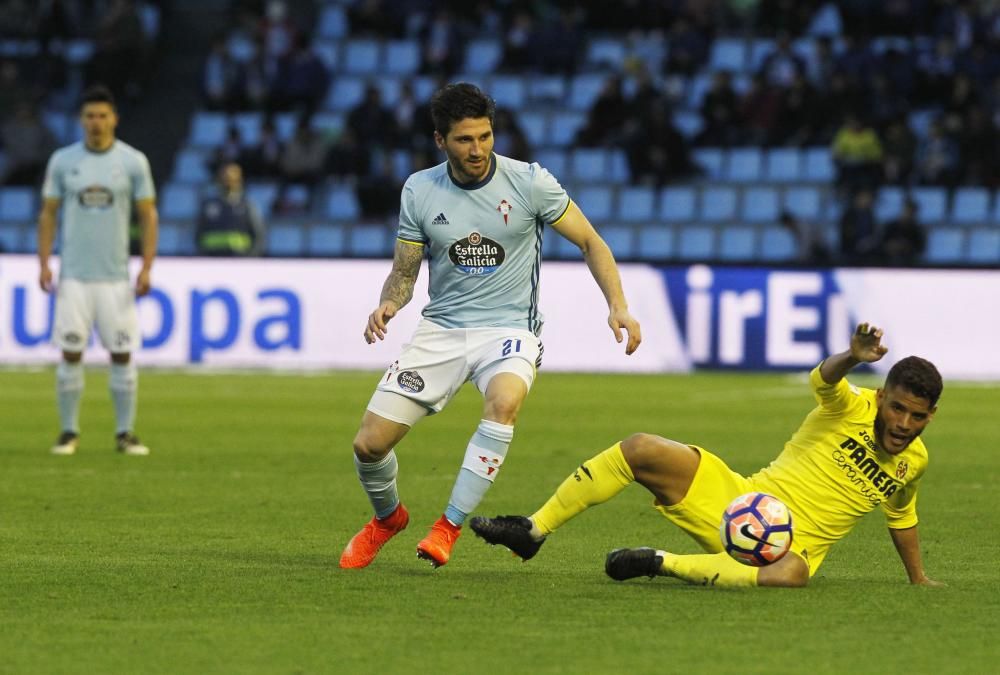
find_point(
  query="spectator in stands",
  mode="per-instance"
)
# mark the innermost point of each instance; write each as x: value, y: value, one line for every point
x: 759, y: 109
x: 656, y: 151
x: 858, y: 237
x: 884, y: 103
x: 28, y: 144
x: 797, y: 114
x: 372, y: 123
x: 263, y: 160
x: 899, y: 146
x: 443, y: 46
x: 556, y: 47
x: 509, y: 138
x: 302, y: 161
x: 277, y: 31
x: 231, y: 150
x: 857, y: 152
x: 229, y: 224
x: 606, y: 119
x: 375, y: 18
x: 783, y: 66
x: 518, y: 54
x: 903, y: 240
x: 809, y: 241
x: 120, y: 52
x: 687, y: 48
x: 720, y: 112
x: 937, y: 157
x: 258, y: 83
x: 220, y: 79
x: 936, y: 69
x: 348, y: 157
x: 978, y: 148
x: 303, y: 79
x: 378, y: 191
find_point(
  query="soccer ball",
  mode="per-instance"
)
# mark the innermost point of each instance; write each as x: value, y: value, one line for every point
x: 756, y: 529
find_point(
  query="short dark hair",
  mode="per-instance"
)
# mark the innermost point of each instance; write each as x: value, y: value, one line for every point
x: 918, y: 376
x: 455, y: 102
x: 97, y: 93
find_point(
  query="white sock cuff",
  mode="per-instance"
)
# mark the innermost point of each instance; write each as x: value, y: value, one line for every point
x: 69, y: 376
x: 124, y: 376
x: 371, y: 467
x: 496, y: 431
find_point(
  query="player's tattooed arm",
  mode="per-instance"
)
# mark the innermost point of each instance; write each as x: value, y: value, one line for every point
x: 398, y: 287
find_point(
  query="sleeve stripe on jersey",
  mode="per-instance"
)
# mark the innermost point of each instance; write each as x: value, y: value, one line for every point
x: 563, y: 214
x: 409, y: 241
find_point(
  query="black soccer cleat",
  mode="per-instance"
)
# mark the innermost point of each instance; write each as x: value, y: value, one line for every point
x: 628, y: 563
x: 514, y: 532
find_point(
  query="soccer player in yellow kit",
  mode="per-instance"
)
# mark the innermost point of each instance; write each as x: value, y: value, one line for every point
x: 859, y: 449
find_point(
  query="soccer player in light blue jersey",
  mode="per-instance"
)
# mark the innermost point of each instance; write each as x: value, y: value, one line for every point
x: 96, y: 182
x: 479, y: 218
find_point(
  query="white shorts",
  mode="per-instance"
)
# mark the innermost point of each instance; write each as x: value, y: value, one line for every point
x: 438, y: 361
x: 108, y: 304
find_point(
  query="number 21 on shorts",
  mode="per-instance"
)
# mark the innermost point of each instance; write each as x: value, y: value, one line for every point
x: 511, y: 346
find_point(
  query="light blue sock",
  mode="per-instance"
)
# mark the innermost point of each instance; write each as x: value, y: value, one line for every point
x: 379, y: 481
x: 124, y: 386
x: 69, y: 391
x: 483, y: 457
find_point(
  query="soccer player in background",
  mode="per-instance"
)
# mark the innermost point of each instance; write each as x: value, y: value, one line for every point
x: 479, y: 217
x: 857, y: 450
x: 96, y: 181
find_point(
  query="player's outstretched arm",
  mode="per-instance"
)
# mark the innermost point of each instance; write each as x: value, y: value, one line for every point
x: 397, y: 289
x: 601, y: 262
x: 866, y: 347
x: 907, y: 544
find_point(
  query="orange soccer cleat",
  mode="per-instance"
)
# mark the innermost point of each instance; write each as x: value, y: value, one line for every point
x: 365, y: 545
x: 435, y: 548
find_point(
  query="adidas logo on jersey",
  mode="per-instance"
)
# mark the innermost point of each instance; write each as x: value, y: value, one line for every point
x: 440, y: 220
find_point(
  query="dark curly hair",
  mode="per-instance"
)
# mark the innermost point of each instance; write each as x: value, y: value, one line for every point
x: 918, y: 376
x: 97, y: 93
x: 455, y: 102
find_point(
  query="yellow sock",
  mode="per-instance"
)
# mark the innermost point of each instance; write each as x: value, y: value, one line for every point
x: 596, y: 481
x: 709, y: 569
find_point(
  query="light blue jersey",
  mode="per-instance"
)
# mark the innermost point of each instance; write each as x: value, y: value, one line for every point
x: 484, y: 241
x: 97, y: 190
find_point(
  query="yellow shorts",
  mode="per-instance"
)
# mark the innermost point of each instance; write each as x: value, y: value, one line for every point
x: 714, y: 486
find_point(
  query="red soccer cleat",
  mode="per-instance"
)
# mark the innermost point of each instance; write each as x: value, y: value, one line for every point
x: 365, y: 545
x: 435, y: 548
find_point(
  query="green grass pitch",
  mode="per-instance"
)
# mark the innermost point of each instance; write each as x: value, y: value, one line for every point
x: 218, y: 553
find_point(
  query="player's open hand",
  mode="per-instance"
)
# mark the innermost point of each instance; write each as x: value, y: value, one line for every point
x: 378, y: 319
x: 621, y: 319
x: 866, y: 343
x: 142, y: 283
x: 45, y: 279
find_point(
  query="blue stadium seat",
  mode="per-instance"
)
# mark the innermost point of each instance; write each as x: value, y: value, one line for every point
x: 932, y: 203
x: 361, y: 57
x: 717, y: 204
x: 326, y: 241
x: 179, y: 201
x: 596, y: 203
x: 285, y: 124
x: 656, y: 242
x: 332, y: 22
x: 249, y: 124
x: 208, y: 129
x: 777, y: 244
x: 342, y: 204
x: 189, y: 167
x: 402, y: 164
x: 584, y: 90
x: 372, y: 241
x: 760, y: 205
x: 176, y: 239
x: 402, y: 57
x: 589, y: 165
x: 728, y: 54
x: 619, y: 171
x: 483, y: 55
x: 818, y: 165
x: 424, y: 87
x: 782, y: 165
x: 698, y: 85
x: 262, y: 195
x: 285, y: 239
x: 889, y: 203
x: 535, y: 128
x: 744, y: 165
x: 636, y: 204
x: 606, y: 52
x: 510, y: 90
x: 60, y: 124
x: 759, y: 50
x: 737, y: 242
x: 563, y: 126
x: 547, y: 89
x: 696, y: 242
x: 802, y: 202
x: 984, y: 246
x: 677, y: 204
x: 688, y: 123
x: 390, y: 89
x: 328, y: 52
x: 555, y: 161
x: 12, y: 238
x: 17, y: 204
x: 328, y: 122
x: 711, y: 160
x: 620, y: 239
x: 945, y: 246
x: 345, y: 93
x: 970, y: 206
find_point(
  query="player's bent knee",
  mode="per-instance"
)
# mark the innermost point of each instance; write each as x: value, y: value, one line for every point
x: 789, y: 572
x: 367, y: 449
x: 644, y: 451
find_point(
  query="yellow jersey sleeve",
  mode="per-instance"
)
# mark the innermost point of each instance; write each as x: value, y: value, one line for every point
x: 840, y: 399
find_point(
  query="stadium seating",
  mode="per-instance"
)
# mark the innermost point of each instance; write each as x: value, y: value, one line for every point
x: 286, y: 239
x: 738, y: 243
x: 984, y: 246
x: 179, y: 201
x: 326, y: 241
x: 17, y: 204
x: 696, y: 242
x: 636, y: 204
x: 945, y: 246
x: 760, y: 205
x: 777, y: 244
x: 970, y: 206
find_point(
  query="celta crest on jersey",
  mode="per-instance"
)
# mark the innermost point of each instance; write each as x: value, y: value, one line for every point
x: 476, y: 254
x: 96, y: 197
x: 504, y: 208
